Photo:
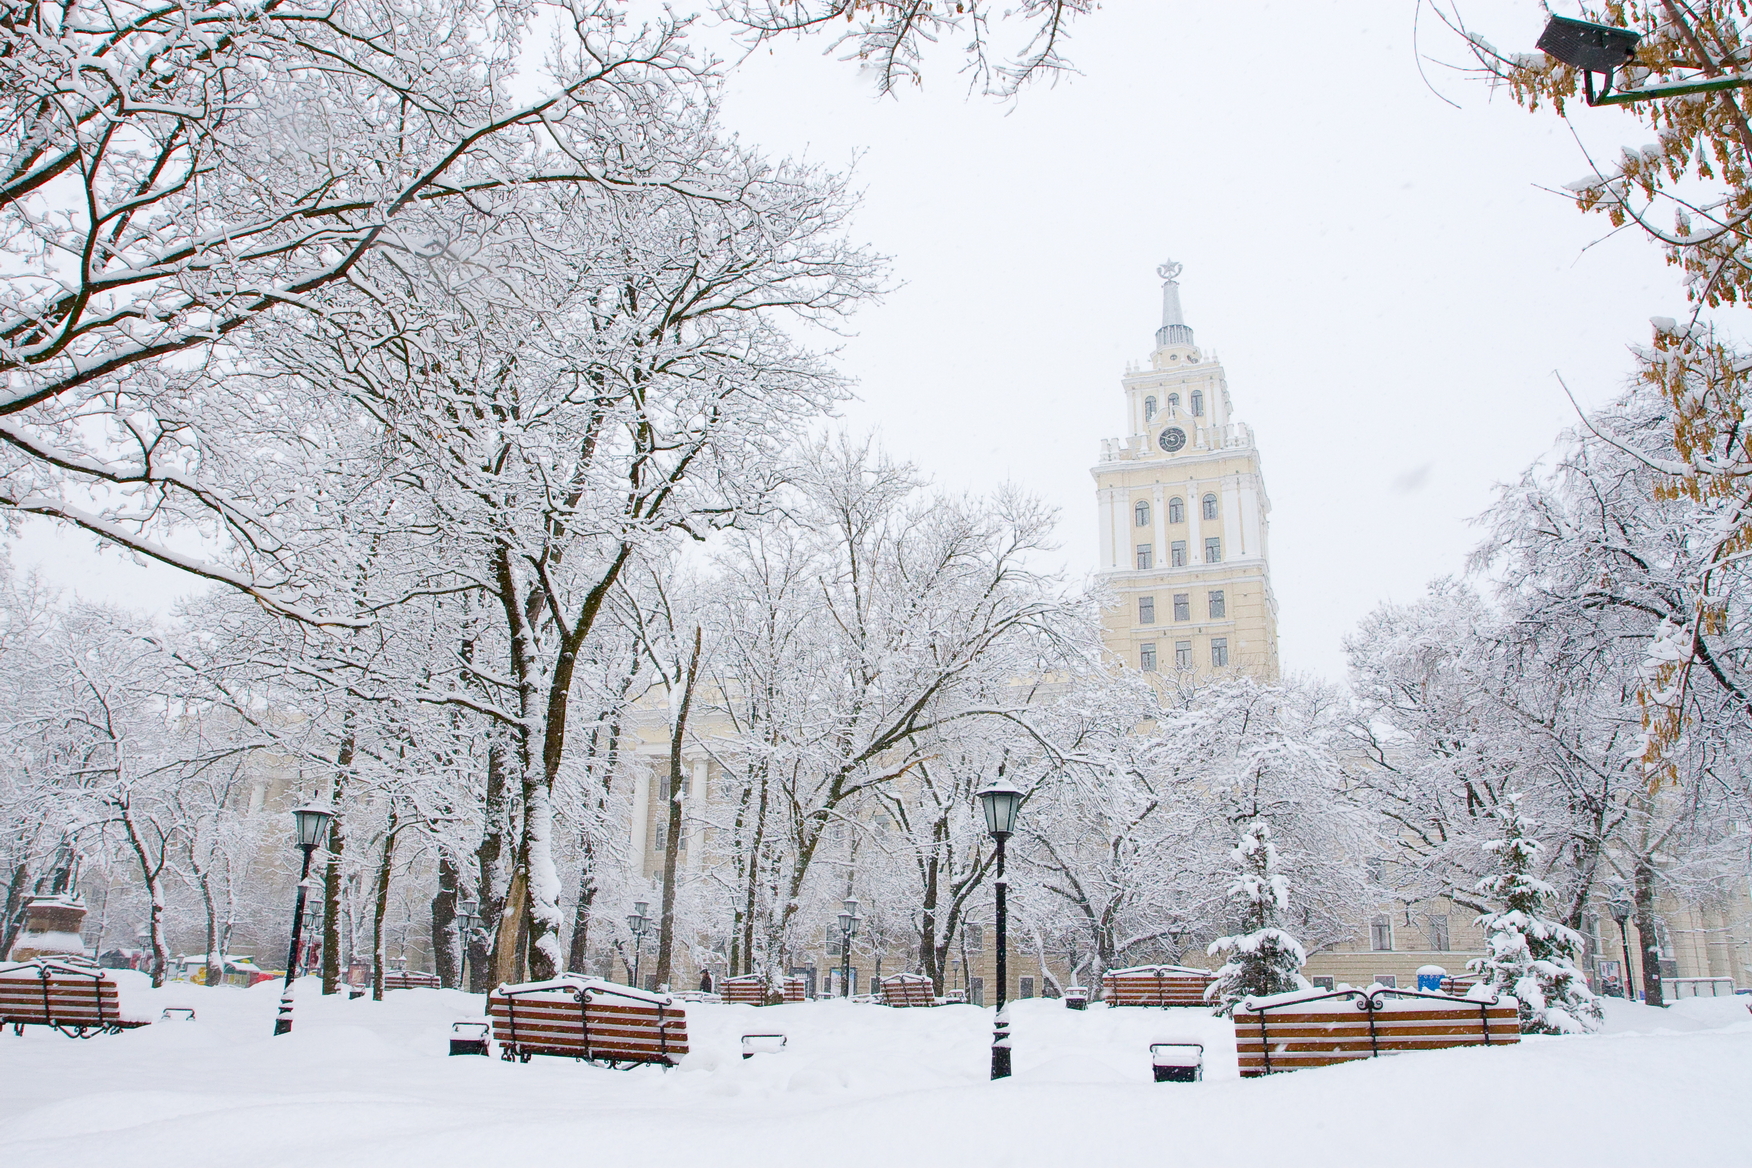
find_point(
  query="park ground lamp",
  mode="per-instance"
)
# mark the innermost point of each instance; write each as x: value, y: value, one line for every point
x: 638, y: 924
x: 1604, y: 49
x: 1619, y: 906
x: 848, y: 923
x: 468, y: 918
x: 1000, y: 801
x: 310, y: 827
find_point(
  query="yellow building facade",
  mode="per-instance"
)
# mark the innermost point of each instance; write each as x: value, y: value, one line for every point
x: 1184, y: 519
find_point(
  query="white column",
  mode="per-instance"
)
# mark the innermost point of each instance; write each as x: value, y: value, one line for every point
x: 696, y: 807
x: 1235, y: 541
x: 641, y: 816
x: 1195, y: 523
x: 1104, y: 524
x: 1159, y: 529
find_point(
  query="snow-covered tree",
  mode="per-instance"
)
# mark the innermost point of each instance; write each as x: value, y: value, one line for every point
x: 1262, y: 959
x: 1529, y: 956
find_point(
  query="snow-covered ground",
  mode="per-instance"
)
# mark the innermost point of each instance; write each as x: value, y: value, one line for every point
x: 368, y: 1083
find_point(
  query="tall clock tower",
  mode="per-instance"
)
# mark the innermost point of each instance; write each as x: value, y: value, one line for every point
x: 1183, y: 516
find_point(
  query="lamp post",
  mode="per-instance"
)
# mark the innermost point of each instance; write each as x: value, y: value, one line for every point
x: 848, y: 923
x: 1619, y: 907
x: 638, y: 924
x: 467, y: 918
x: 999, y: 800
x: 311, y: 821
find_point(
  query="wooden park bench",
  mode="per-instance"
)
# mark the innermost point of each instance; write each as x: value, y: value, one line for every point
x: 796, y: 989
x: 908, y: 989
x: 78, y: 1000
x: 750, y: 989
x: 590, y: 1019
x: 1156, y: 985
x: 1288, y: 1032
x: 408, y: 979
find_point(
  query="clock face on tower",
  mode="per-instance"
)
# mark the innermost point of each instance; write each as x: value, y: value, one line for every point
x: 1171, y: 439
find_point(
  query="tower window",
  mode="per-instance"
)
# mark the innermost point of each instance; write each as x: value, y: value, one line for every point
x: 1182, y: 606
x: 1141, y: 514
x: 1173, y: 404
x: 1183, y: 654
x: 1176, y: 554
x: 1219, y: 652
x: 1213, y: 550
x: 1176, y: 510
x: 1198, y: 403
x: 1147, y: 656
x: 1210, y: 506
x: 1218, y: 608
x: 1149, y: 408
x: 1145, y: 559
x: 1146, y: 610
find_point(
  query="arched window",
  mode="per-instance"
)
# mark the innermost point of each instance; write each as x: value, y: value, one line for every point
x: 1210, y: 506
x: 1149, y: 408
x: 1173, y: 404
x: 1198, y: 403
x: 1141, y: 514
x: 1176, y: 510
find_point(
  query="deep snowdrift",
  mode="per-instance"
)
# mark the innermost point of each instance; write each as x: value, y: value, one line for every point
x: 364, y: 1083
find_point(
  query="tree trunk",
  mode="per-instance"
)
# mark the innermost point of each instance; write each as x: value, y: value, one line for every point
x: 13, y: 920
x: 930, y: 960
x: 677, y: 797
x: 507, y: 941
x: 215, y: 954
x: 380, y: 907
x: 331, y: 876
x: 754, y: 856
x: 1647, y: 935
x: 493, y: 873
x: 446, y: 943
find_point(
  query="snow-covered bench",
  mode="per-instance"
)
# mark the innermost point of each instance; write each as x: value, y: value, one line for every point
x: 796, y: 989
x: 908, y: 989
x: 1155, y: 985
x: 1288, y: 1032
x: 587, y: 1018
x: 408, y: 979
x: 78, y: 1000
x: 750, y: 989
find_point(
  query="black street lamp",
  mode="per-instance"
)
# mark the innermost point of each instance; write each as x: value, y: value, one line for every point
x: 1619, y: 907
x: 848, y: 923
x: 1603, y: 48
x: 638, y: 924
x: 312, y: 822
x: 467, y: 919
x: 1000, y: 801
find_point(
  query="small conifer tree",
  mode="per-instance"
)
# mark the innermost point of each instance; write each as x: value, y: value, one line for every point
x: 1262, y: 959
x: 1532, y: 958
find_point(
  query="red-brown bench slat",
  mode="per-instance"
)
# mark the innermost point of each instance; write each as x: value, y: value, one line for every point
x: 624, y: 1025
x: 1283, y: 1037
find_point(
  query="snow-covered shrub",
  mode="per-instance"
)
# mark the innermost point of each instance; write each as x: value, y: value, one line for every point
x: 1530, y: 957
x: 1263, y: 959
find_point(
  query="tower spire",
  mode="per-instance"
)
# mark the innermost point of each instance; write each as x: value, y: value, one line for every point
x: 1174, y: 330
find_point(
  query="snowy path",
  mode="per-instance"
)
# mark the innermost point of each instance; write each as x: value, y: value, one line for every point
x: 363, y: 1083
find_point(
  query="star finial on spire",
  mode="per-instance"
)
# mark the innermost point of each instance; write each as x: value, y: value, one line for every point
x: 1169, y: 270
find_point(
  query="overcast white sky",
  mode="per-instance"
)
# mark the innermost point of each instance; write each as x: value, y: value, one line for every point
x: 1384, y: 280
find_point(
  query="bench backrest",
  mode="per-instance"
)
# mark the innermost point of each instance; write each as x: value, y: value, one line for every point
x: 748, y: 990
x: 795, y: 988
x: 404, y: 979
x: 1318, y: 1031
x: 589, y: 1020
x: 28, y: 997
x: 908, y: 991
x: 1156, y: 985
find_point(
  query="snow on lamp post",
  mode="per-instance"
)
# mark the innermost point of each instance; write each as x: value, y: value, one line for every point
x: 848, y: 923
x: 467, y: 918
x: 1619, y: 907
x: 311, y: 823
x: 1000, y: 801
x: 638, y: 924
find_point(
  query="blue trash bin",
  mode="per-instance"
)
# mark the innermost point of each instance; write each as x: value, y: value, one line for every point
x: 1429, y: 978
